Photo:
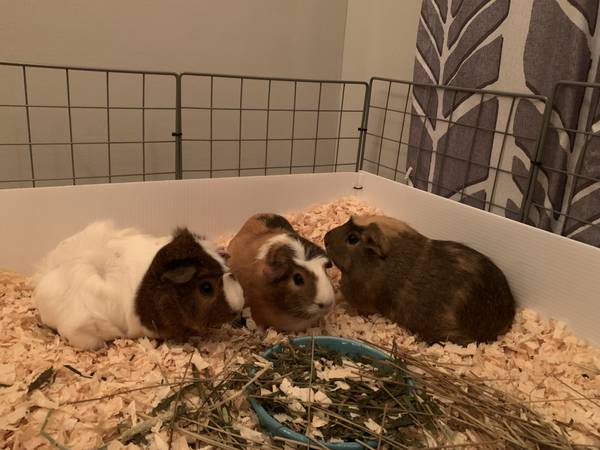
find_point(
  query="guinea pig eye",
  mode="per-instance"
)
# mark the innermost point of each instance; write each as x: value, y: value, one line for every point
x: 298, y: 280
x: 353, y: 239
x: 206, y: 288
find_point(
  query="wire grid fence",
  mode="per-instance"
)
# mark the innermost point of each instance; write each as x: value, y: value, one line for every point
x: 75, y: 125
x: 565, y: 195
x: 70, y: 125
x: 455, y: 142
x: 507, y: 153
x: 243, y: 125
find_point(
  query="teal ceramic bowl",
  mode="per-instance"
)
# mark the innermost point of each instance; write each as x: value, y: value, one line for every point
x: 347, y: 347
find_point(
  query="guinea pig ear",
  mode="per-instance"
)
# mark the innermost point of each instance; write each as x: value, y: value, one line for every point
x: 376, y: 240
x: 277, y: 262
x: 179, y: 275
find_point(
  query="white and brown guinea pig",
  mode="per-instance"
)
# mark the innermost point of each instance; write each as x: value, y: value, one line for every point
x: 103, y: 283
x: 439, y: 290
x: 283, y: 274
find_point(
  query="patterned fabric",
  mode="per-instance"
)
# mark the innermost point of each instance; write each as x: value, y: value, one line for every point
x: 519, y: 46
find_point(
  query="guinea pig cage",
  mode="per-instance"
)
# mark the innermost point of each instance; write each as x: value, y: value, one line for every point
x: 155, y: 150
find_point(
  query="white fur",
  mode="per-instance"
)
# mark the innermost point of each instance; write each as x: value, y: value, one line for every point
x: 210, y: 248
x: 325, y: 295
x: 234, y: 295
x: 86, y: 287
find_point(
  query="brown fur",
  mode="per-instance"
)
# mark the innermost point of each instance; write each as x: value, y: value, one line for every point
x: 269, y: 291
x: 170, y: 301
x: 385, y: 223
x: 440, y: 290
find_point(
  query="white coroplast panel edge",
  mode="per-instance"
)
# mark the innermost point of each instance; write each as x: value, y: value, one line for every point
x: 34, y: 220
x: 554, y: 275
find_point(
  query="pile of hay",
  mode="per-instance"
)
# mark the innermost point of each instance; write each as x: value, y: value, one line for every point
x: 97, y: 397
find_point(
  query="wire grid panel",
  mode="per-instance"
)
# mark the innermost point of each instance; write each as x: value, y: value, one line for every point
x: 565, y: 193
x: 71, y: 125
x: 469, y: 145
x: 244, y: 125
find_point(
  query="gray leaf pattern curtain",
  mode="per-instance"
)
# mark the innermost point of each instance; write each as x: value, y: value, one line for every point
x: 521, y: 46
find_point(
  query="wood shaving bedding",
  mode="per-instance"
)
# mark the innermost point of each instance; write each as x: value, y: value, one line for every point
x: 539, y: 361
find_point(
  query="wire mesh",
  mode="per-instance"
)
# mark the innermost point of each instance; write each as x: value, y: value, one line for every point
x: 526, y: 157
x: 86, y: 125
x: 459, y: 143
x: 246, y: 125
x: 565, y: 193
x: 76, y: 125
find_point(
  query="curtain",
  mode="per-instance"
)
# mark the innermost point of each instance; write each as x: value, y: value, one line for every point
x: 523, y: 46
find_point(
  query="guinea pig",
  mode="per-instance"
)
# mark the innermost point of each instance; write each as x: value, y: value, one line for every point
x: 439, y: 290
x: 283, y: 274
x: 103, y: 283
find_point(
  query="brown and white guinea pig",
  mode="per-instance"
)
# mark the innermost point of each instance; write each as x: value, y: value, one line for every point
x: 439, y: 290
x: 283, y: 274
x: 103, y: 283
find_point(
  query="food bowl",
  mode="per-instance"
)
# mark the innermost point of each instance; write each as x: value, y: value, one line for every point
x: 346, y: 347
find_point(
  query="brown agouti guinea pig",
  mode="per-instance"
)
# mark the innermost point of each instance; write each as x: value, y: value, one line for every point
x: 439, y: 290
x: 282, y: 274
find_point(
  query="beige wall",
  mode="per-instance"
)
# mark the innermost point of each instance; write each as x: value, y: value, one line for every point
x: 352, y: 39
x: 299, y: 38
x: 380, y: 38
x: 333, y: 39
x: 380, y: 41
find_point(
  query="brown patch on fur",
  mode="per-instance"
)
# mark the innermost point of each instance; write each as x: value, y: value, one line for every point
x: 244, y: 247
x: 171, y: 300
x: 388, y: 225
x: 255, y: 225
x: 467, y: 264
